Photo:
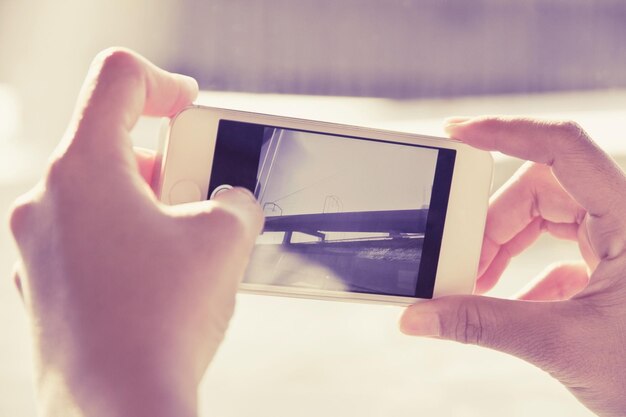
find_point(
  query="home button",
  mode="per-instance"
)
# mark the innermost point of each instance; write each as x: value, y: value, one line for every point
x: 185, y: 191
x: 219, y: 189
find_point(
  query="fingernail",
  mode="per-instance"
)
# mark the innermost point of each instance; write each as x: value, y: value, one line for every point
x: 236, y: 193
x: 456, y: 120
x: 421, y: 324
x: 452, y: 123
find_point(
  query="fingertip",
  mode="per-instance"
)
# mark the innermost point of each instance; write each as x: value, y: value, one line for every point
x: 403, y: 321
x: 558, y: 282
x: 145, y: 161
x: 483, y: 286
x: 416, y: 321
x: 237, y: 195
x: 452, y: 125
x: 455, y: 120
x: 187, y: 92
x: 488, y: 280
x: 243, y: 199
x: 189, y: 86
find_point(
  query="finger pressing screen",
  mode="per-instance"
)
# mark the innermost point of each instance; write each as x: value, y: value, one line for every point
x: 242, y: 202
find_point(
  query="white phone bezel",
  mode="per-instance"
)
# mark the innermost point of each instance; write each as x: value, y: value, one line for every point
x: 186, y: 157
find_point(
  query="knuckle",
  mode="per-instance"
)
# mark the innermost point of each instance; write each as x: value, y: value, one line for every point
x: 21, y: 216
x: 570, y: 141
x: 17, y: 278
x: 58, y: 174
x: 571, y: 132
x: 117, y: 61
x: 470, y: 325
x: 67, y: 179
x: 227, y: 223
x: 569, y: 128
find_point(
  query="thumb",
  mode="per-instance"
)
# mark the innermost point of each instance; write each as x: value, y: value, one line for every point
x: 243, y: 203
x: 521, y: 328
x: 235, y: 213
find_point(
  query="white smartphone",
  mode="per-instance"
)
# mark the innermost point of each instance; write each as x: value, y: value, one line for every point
x: 350, y: 213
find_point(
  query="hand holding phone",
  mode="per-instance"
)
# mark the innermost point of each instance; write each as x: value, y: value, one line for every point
x: 350, y: 213
x: 127, y: 304
x: 570, y: 320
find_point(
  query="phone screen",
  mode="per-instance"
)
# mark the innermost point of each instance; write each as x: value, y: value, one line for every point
x: 342, y: 213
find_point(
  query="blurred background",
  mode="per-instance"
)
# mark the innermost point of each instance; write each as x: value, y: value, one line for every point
x: 397, y: 64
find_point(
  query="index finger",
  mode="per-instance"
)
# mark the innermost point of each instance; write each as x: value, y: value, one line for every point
x: 586, y: 172
x: 121, y: 86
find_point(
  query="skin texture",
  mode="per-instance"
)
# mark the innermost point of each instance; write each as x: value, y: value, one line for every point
x: 128, y: 299
x: 571, y: 320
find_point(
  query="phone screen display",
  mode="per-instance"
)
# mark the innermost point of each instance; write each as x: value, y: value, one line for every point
x: 342, y: 213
